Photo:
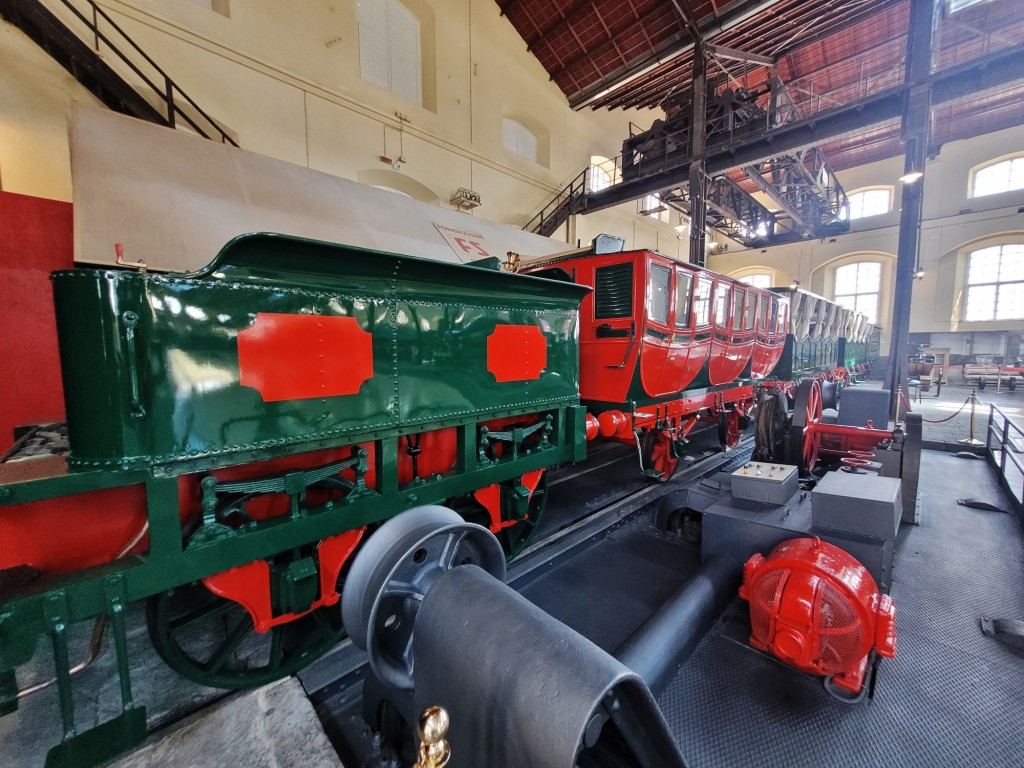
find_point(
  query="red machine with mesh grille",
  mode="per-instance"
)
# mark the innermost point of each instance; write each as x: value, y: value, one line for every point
x: 816, y: 608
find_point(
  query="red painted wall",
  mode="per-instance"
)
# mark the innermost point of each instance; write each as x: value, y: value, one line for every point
x: 36, y: 237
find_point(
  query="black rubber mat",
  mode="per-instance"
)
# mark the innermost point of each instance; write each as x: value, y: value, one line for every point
x: 609, y: 589
x: 951, y: 697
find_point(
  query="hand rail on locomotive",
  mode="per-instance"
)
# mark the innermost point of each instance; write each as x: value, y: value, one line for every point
x: 238, y: 432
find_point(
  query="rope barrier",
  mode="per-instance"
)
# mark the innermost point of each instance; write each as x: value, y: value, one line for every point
x: 940, y: 421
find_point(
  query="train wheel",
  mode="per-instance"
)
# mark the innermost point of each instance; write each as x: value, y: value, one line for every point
x: 729, y: 431
x: 804, y: 441
x: 212, y: 641
x: 515, y: 537
x: 661, y: 457
x: 771, y: 426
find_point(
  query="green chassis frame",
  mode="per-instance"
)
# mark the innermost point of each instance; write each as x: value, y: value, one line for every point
x: 50, y: 608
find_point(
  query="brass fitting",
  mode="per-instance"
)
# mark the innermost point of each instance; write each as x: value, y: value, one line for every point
x: 434, y: 749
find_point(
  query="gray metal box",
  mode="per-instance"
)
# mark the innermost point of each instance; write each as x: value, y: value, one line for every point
x: 736, y: 528
x: 862, y: 404
x: 857, y: 503
x: 891, y: 461
x: 764, y: 482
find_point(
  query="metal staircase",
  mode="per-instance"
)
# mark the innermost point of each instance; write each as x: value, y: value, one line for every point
x: 75, y: 39
x: 570, y: 201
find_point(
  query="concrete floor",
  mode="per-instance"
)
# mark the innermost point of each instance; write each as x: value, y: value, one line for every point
x: 947, y: 424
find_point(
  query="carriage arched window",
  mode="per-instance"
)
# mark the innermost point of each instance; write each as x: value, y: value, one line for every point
x: 737, y: 309
x: 758, y: 280
x: 519, y: 139
x: 684, y: 291
x: 858, y: 287
x: 995, y: 283
x: 722, y: 305
x: 657, y: 288
x: 389, y: 48
x: 751, y: 310
x: 1001, y: 176
x: 702, y: 302
x: 868, y: 202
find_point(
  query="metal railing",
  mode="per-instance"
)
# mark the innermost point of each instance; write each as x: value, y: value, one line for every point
x: 1000, y: 448
x: 104, y: 29
x: 557, y: 211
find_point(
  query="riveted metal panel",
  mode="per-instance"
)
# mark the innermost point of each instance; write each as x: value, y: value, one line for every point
x: 168, y: 387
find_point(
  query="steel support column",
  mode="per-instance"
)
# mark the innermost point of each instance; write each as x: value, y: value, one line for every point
x: 698, y: 146
x: 915, y: 129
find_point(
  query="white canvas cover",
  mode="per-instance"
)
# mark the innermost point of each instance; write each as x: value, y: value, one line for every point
x: 172, y: 200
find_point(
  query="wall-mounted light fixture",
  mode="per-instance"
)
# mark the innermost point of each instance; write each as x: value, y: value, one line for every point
x: 465, y: 199
x: 911, y: 176
x: 794, y: 285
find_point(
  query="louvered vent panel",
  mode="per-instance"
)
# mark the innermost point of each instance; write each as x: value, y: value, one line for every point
x: 613, y: 294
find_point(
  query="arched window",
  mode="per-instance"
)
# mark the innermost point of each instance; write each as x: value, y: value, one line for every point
x: 599, y: 178
x: 868, y: 202
x: 652, y: 205
x: 995, y: 283
x: 1001, y: 176
x: 518, y: 139
x: 758, y: 280
x: 602, y: 173
x: 959, y: 5
x: 389, y: 48
x: 858, y: 286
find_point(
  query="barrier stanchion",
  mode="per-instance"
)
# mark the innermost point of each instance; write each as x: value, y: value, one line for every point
x: 970, y: 439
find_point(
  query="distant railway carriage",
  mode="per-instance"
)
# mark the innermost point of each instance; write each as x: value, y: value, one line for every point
x: 825, y: 339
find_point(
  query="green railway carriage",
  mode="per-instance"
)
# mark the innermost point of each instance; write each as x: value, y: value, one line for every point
x: 236, y: 433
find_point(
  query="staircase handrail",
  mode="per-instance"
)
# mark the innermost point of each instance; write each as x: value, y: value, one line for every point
x: 170, y: 87
x: 575, y: 189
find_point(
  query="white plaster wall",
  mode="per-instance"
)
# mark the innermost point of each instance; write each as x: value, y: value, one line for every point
x: 284, y: 80
x: 35, y: 97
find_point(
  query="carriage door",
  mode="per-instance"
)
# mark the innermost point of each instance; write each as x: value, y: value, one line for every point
x: 655, y: 374
x: 688, y: 354
x: 719, y: 367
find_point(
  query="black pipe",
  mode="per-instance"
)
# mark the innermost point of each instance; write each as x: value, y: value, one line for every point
x: 658, y: 648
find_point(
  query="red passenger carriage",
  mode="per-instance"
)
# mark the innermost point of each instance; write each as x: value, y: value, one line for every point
x: 664, y: 345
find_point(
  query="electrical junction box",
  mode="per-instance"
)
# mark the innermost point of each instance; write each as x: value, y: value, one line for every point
x: 764, y: 482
